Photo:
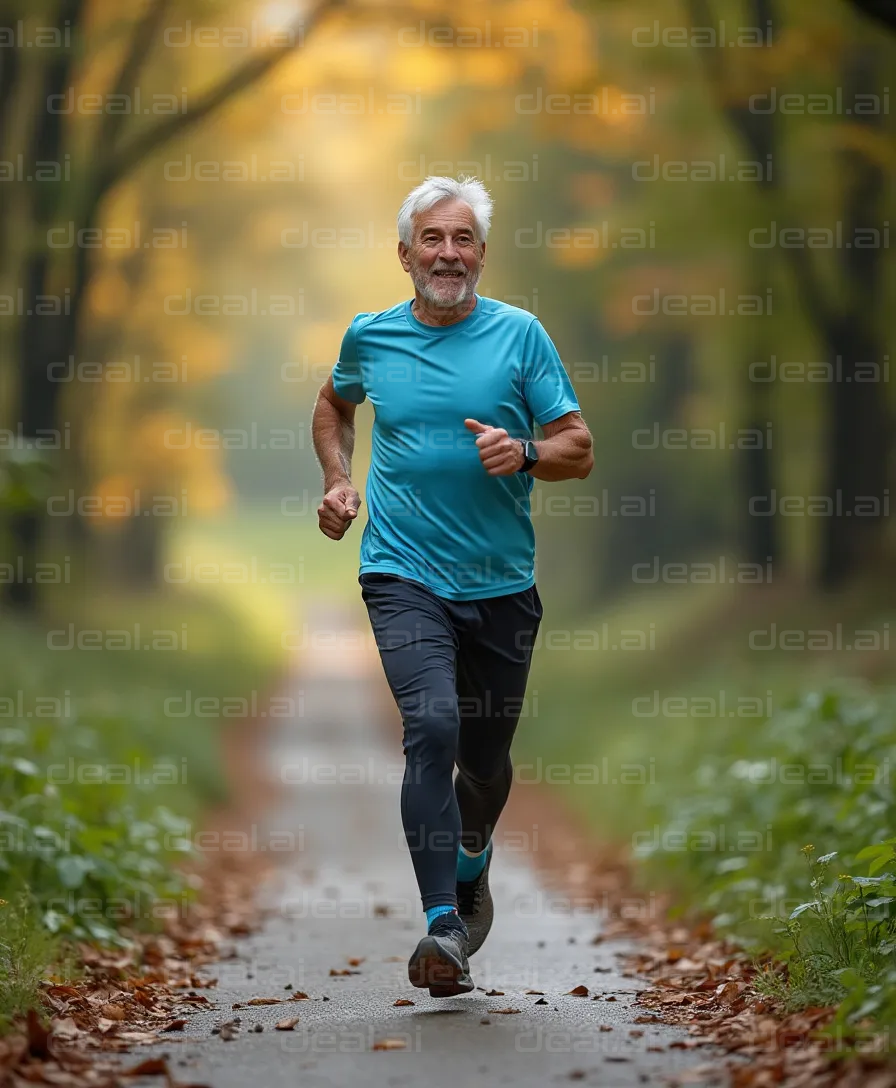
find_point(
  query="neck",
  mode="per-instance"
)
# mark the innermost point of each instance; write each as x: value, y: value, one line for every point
x: 440, y: 315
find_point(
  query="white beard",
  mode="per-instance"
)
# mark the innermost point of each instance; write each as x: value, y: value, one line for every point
x: 434, y: 291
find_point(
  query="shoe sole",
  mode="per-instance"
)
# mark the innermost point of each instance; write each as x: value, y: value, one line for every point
x: 432, y: 967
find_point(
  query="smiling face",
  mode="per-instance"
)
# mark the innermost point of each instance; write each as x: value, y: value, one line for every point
x: 445, y: 258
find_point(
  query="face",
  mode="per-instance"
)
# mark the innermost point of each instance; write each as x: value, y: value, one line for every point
x: 444, y: 259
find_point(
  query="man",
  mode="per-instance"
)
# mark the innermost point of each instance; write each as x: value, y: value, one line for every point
x: 457, y: 382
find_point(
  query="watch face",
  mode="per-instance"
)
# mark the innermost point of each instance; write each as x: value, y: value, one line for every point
x: 531, y: 452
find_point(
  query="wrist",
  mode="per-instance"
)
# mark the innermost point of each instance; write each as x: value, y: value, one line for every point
x: 528, y: 455
x: 332, y: 482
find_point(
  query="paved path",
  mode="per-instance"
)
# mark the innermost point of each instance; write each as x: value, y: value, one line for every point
x: 350, y: 894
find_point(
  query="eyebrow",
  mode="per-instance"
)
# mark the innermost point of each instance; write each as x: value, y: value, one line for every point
x: 438, y: 230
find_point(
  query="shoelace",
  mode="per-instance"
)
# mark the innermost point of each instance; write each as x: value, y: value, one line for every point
x: 447, y: 925
x: 469, y: 898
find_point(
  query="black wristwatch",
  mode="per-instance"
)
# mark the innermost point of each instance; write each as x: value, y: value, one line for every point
x: 530, y: 454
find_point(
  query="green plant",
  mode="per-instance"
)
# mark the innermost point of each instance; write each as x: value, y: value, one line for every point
x: 26, y: 952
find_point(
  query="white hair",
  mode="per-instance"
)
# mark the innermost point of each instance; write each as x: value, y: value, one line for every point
x: 432, y: 190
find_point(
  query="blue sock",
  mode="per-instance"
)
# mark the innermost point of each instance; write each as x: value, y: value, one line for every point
x: 469, y: 866
x: 433, y: 912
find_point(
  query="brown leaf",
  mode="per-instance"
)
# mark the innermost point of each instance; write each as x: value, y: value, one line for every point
x: 354, y: 961
x: 65, y: 1029
x: 730, y: 991
x: 38, y: 1037
x: 504, y: 1012
x: 539, y: 992
x: 299, y: 995
x: 113, y: 1012
x: 152, y: 1067
x: 175, y: 1025
x: 286, y: 1025
x: 390, y: 1044
x: 265, y: 1001
x: 578, y: 991
x: 343, y: 971
x: 494, y: 993
x: 403, y: 1001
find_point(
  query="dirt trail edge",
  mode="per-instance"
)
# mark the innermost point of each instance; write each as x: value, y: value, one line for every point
x: 345, y: 915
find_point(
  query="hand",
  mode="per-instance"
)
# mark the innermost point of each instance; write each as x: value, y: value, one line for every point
x: 500, y: 454
x: 338, y: 510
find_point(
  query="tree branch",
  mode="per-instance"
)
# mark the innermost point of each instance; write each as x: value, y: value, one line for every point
x: 812, y: 295
x: 142, y: 145
x: 133, y: 60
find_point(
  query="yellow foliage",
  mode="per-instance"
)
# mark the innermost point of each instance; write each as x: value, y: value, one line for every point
x: 319, y: 341
x: 108, y: 293
x: 490, y: 68
x: 431, y: 71
x: 203, y: 352
x: 209, y: 490
x: 116, y: 493
x: 122, y: 207
x: 578, y: 256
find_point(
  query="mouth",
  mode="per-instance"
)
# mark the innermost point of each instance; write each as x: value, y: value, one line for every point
x: 449, y: 275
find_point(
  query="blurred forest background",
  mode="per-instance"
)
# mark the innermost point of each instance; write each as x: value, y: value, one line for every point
x: 696, y: 199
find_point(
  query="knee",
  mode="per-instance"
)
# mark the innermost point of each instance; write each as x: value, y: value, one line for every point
x: 432, y: 737
x: 482, y: 777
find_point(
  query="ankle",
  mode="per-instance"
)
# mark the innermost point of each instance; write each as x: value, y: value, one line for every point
x: 469, y: 866
x: 434, y: 912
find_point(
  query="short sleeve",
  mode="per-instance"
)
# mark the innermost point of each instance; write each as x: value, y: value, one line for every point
x: 347, y: 371
x: 546, y: 386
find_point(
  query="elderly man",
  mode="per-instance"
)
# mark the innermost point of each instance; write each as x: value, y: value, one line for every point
x: 457, y: 382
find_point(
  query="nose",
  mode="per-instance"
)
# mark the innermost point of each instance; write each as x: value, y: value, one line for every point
x: 448, y: 251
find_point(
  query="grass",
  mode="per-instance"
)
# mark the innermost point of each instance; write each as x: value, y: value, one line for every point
x: 109, y: 754
x: 27, y: 950
x: 754, y: 783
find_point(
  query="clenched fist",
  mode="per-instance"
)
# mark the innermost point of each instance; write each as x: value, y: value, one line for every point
x: 338, y: 510
x: 500, y: 454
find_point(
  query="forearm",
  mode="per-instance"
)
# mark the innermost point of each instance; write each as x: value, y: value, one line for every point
x: 564, y: 456
x: 334, y: 442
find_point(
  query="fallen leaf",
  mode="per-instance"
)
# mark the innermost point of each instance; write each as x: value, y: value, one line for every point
x: 113, y: 1012
x: 266, y: 1000
x: 152, y: 1067
x: 494, y: 993
x: 390, y: 1044
x: 286, y: 1025
x: 578, y: 991
x: 38, y: 1036
x: 504, y: 1012
x: 65, y: 1029
x: 175, y: 1025
x: 403, y: 1001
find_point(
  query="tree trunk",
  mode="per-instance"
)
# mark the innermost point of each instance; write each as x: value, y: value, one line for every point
x: 857, y: 453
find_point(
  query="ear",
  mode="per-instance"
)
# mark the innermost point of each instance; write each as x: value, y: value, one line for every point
x: 482, y: 260
x: 404, y: 256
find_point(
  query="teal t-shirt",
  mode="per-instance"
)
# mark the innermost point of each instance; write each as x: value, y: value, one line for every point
x: 434, y: 513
